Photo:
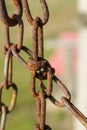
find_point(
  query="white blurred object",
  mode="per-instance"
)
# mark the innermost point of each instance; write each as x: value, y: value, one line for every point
x: 82, y: 6
x: 81, y: 93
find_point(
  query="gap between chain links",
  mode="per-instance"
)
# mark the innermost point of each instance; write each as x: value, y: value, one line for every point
x: 37, y: 65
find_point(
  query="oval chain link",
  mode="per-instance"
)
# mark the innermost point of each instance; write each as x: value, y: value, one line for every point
x: 10, y: 20
x: 13, y: 98
x: 28, y: 13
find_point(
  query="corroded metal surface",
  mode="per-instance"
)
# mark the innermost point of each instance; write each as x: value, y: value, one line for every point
x: 37, y: 65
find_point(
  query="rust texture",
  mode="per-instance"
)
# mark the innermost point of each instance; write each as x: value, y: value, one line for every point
x: 37, y: 65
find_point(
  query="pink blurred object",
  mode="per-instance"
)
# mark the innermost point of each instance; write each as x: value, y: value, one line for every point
x: 68, y: 37
x: 57, y: 60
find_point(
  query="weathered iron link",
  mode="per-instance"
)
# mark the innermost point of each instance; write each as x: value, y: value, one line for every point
x: 40, y: 97
x: 4, y: 110
x: 75, y: 111
x: 65, y: 102
x: 20, y: 36
x: 37, y: 39
x: 13, y: 99
x: 36, y: 64
x: 28, y: 13
x: 3, y: 117
x: 8, y: 69
x: 42, y: 110
x: 10, y: 20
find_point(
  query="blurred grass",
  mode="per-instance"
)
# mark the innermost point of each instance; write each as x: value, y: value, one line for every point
x: 63, y: 17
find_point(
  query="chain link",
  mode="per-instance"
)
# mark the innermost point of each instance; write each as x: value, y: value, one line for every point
x: 37, y: 65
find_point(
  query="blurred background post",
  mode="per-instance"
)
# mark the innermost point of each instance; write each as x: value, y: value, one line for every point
x: 81, y: 93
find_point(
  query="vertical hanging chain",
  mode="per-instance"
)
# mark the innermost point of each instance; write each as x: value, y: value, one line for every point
x: 37, y: 65
x: 10, y: 21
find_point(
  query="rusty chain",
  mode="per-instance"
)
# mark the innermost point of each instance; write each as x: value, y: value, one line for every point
x: 37, y: 65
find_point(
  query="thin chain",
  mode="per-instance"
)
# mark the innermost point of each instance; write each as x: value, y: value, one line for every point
x: 37, y: 65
